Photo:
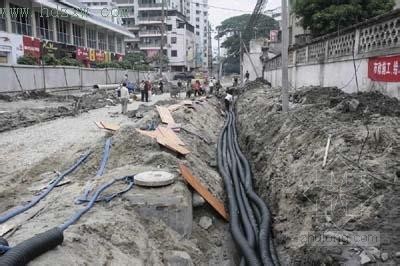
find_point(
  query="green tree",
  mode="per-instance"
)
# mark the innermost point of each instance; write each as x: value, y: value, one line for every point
x: 326, y: 16
x: 27, y: 60
x: 230, y: 28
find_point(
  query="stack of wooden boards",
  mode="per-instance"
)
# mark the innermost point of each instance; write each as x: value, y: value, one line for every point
x: 165, y: 135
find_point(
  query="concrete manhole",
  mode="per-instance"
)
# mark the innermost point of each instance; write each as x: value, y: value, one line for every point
x: 154, y: 179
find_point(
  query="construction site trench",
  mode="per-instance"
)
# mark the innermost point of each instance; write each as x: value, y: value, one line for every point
x: 311, y: 188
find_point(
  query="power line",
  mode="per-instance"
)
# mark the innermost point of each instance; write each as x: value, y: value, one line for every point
x: 222, y: 8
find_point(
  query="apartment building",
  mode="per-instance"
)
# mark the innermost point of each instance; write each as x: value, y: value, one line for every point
x: 58, y: 28
x: 145, y: 19
x: 198, y: 13
x: 106, y: 9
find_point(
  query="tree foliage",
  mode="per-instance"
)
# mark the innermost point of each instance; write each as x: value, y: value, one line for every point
x: 326, y: 16
x: 231, y: 27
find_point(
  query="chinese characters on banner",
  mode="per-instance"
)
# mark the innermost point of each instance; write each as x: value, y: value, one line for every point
x: 385, y: 69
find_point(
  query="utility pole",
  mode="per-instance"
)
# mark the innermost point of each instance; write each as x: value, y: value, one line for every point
x: 285, y: 56
x: 241, y: 58
x: 219, y: 59
x: 161, y: 56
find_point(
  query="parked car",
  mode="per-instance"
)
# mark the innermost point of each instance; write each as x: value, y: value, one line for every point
x: 183, y: 76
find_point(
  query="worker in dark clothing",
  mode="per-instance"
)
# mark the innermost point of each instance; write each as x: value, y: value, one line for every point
x: 247, y: 75
x: 161, y: 86
x: 147, y: 88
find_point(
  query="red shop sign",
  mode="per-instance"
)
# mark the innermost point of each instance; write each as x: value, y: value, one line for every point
x: 385, y: 69
x: 82, y: 54
x: 31, y: 46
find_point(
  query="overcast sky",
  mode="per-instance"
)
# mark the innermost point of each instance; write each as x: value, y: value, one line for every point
x: 217, y: 15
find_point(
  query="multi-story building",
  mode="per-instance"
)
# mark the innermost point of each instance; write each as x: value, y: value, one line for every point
x: 105, y: 8
x: 58, y: 28
x: 198, y: 13
x: 145, y: 19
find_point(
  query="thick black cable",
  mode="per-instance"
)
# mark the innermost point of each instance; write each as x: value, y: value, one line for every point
x: 237, y: 235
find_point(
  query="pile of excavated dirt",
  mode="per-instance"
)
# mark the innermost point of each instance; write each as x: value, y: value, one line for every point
x: 357, y: 190
x: 14, y: 118
x: 115, y: 233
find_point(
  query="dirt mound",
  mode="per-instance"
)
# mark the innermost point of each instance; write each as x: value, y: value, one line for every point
x: 114, y: 233
x: 358, y: 188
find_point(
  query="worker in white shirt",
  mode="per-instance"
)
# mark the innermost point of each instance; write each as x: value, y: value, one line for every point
x: 124, y: 98
x: 228, y: 100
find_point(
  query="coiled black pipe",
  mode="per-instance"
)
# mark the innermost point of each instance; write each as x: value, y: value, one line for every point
x: 237, y: 234
x: 28, y: 250
x: 253, y: 217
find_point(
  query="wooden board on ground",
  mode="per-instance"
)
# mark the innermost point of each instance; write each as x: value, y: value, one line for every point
x: 203, y: 191
x: 171, y: 136
x: 110, y: 126
x: 99, y: 125
x: 165, y: 115
x: 172, y: 145
x: 152, y: 134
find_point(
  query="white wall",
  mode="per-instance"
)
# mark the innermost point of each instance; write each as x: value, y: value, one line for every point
x: 59, y: 77
x: 339, y: 74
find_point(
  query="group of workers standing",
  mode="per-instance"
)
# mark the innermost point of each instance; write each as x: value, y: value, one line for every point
x: 195, y: 88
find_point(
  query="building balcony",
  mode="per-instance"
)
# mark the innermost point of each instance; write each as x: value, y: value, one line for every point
x: 150, y: 6
x: 150, y: 46
x: 150, y: 20
x: 149, y: 33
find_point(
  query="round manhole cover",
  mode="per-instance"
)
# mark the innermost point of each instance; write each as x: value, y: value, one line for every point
x: 154, y: 179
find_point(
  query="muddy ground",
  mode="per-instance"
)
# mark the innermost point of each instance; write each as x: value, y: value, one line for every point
x: 357, y: 190
x: 114, y: 233
x: 26, y: 109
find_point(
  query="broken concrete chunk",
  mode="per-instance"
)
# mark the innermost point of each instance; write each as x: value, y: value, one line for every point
x: 397, y: 254
x: 353, y: 105
x: 374, y: 252
x: 384, y: 256
x: 365, y: 258
x: 177, y: 258
x: 197, y: 200
x: 205, y: 222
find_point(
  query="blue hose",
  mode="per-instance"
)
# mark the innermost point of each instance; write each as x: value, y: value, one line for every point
x: 77, y: 216
x: 106, y: 154
x: 100, y: 172
x: 20, y: 209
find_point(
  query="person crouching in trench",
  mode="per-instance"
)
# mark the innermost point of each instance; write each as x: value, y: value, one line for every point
x: 228, y: 100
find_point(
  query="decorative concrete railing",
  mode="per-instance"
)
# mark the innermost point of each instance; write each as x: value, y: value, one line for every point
x: 375, y: 37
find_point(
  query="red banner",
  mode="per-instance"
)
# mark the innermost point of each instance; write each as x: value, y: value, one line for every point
x: 385, y: 69
x: 31, y: 46
x: 82, y: 54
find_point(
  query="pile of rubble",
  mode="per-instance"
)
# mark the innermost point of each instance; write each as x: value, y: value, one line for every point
x: 330, y: 167
x: 170, y: 225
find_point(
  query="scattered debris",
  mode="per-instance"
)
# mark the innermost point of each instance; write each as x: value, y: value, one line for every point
x: 384, y: 256
x: 197, y: 200
x: 177, y: 258
x: 364, y: 258
x: 165, y: 115
x: 205, y: 222
x: 203, y: 191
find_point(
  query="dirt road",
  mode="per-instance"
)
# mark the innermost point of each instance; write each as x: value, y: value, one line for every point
x: 24, y: 147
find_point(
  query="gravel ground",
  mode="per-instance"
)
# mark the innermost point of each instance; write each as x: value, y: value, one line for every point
x: 24, y: 147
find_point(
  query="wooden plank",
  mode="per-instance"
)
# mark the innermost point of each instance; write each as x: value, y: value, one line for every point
x: 99, y: 125
x: 171, y: 136
x: 151, y: 134
x: 174, y: 107
x: 172, y: 146
x: 110, y: 126
x: 203, y: 191
x: 165, y: 115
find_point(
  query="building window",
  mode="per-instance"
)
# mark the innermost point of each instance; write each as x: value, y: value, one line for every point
x: 173, y: 40
x: 119, y: 45
x: 21, y: 22
x: 77, y: 33
x: 198, y: 12
x: 91, y: 38
x: 197, y: 4
x: 111, y: 43
x: 197, y: 27
x: 102, y: 41
x: 174, y: 53
x: 205, y: 13
x: 43, y: 27
x: 197, y: 33
x: 62, y: 31
x: 2, y: 19
x: 169, y: 27
x: 198, y: 19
